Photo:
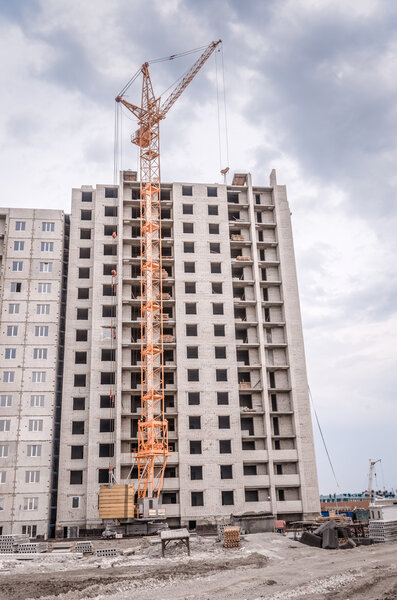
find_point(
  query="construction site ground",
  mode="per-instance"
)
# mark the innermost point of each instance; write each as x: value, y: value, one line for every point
x: 266, y: 565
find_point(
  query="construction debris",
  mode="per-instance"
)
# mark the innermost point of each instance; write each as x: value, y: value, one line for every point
x: 332, y: 535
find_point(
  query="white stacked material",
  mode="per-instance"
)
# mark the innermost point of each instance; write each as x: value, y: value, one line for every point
x: 9, y: 543
x: 107, y: 552
x: 33, y: 548
x: 84, y: 547
x: 383, y: 531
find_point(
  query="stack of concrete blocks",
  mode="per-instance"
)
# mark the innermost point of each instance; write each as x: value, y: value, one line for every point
x: 84, y: 547
x: 383, y: 523
x: 32, y: 548
x: 9, y: 543
x: 107, y: 552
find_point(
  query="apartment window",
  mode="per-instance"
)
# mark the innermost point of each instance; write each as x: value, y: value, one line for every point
x: 47, y: 246
x: 187, y: 209
x: 193, y: 398
x: 44, y: 288
x: 18, y: 246
x: 111, y: 192
x: 215, y: 248
x: 225, y: 446
x: 3, y: 450
x: 13, y: 309
x: 17, y: 265
x: 192, y: 352
x: 110, y: 211
x: 8, y: 376
x: 190, y: 287
x: 41, y: 331
x: 37, y: 400
x: 76, y: 477
x: 108, y: 377
x: 76, y: 452
x: 221, y: 374
x: 226, y: 471
x: 108, y: 290
x: 189, y: 267
x: 222, y: 397
x: 35, y: 424
x: 40, y: 353
x: 10, y: 353
x: 80, y: 358
x: 109, y: 229
x: 2, y: 504
x: 12, y: 330
x: 75, y: 501
x: 45, y: 267
x: 219, y: 330
x: 84, y: 273
x: 3, y: 476
x: 191, y: 330
x: 82, y: 314
x: 20, y: 225
x: 251, y: 496
x: 16, y: 286
x: 42, y: 309
x: 193, y: 375
x: 81, y: 335
x: 227, y: 497
x: 213, y: 228
x: 30, y: 503
x: 106, y: 450
x: 47, y: 226
x: 77, y: 427
x: 103, y: 475
x: 212, y: 192
x: 217, y: 309
x: 83, y: 293
x: 106, y: 425
x: 78, y: 403
x: 106, y: 402
x: 80, y: 380
x: 188, y: 247
x: 85, y: 253
x: 220, y: 351
x: 108, y: 268
x: 197, y: 498
x: 5, y: 400
x: 86, y: 196
x: 188, y: 228
x: 5, y: 425
x: 194, y: 422
x: 196, y: 472
x: 223, y: 422
x: 279, y: 469
x: 34, y: 450
x: 108, y: 311
x: 108, y: 354
x: 195, y: 446
x: 86, y: 215
x: 32, y: 476
x: 110, y: 250
x: 213, y: 209
x: 272, y: 380
x: 107, y: 333
x: 216, y: 288
x: 187, y: 190
x: 85, y: 234
x: 191, y: 308
x: 216, y: 267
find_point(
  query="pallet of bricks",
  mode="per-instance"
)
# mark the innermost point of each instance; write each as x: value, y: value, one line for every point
x: 231, y: 537
x: 9, y: 543
x: 383, y: 531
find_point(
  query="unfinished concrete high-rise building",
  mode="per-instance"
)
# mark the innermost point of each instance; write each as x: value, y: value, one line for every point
x: 236, y: 392
x: 31, y: 300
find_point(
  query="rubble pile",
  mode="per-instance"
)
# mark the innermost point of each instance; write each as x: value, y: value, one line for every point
x: 331, y: 536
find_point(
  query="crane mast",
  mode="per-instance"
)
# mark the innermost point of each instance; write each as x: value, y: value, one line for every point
x: 152, y: 452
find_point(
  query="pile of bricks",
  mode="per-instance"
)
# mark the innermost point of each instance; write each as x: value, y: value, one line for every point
x: 383, y: 531
x: 32, y: 548
x: 9, y: 543
x: 107, y: 552
x: 84, y: 547
x: 231, y: 537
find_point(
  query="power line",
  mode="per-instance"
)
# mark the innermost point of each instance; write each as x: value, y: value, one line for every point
x: 322, y: 437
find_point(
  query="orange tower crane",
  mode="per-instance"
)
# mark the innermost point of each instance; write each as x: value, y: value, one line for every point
x: 152, y: 452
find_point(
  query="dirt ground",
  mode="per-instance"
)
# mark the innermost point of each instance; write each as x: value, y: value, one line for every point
x: 266, y: 565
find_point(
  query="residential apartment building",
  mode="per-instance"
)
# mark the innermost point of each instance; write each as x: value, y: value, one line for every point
x: 31, y: 296
x: 236, y: 392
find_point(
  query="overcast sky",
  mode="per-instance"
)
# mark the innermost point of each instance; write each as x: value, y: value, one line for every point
x: 310, y: 91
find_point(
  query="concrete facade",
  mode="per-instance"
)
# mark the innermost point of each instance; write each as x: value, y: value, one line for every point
x: 31, y: 280
x: 236, y: 391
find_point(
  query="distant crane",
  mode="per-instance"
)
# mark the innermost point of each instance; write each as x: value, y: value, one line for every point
x: 372, y: 464
x: 152, y: 452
